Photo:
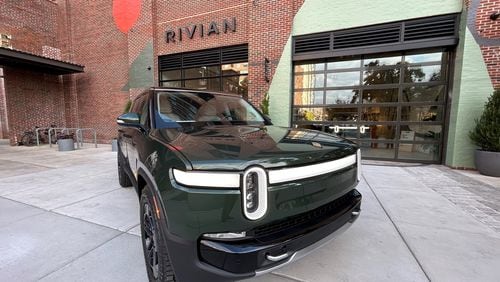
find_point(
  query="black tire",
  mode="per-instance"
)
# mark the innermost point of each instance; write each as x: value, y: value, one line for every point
x: 123, y: 178
x: 155, y: 250
x: 27, y: 139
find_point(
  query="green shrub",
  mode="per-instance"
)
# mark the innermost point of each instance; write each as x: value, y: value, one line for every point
x: 264, y: 106
x: 127, y: 106
x: 486, y: 134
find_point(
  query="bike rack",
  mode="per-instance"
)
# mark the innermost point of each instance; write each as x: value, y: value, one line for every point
x: 37, y: 134
x: 79, y: 136
x: 58, y: 128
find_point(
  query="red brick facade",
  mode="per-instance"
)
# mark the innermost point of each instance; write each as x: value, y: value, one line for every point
x: 488, y: 28
x: 85, y: 32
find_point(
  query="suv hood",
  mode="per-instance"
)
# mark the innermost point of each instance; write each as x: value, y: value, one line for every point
x: 237, y: 147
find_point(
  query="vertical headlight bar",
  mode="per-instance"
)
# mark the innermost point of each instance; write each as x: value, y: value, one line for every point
x: 254, y: 194
x: 358, y: 160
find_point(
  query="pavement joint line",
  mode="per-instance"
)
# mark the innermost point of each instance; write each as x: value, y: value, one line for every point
x: 60, y: 214
x: 82, y: 200
x: 81, y: 255
x: 397, y: 230
x: 281, y: 275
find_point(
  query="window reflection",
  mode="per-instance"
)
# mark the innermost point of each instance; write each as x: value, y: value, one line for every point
x: 342, y: 79
x: 310, y: 67
x: 309, y: 80
x: 341, y: 114
x: 420, y: 132
x: 235, y: 84
x: 344, y: 64
x: 423, y: 74
x: 308, y: 114
x: 234, y: 69
x: 383, y: 76
x: 204, y: 71
x: 376, y: 113
x: 382, y: 61
x: 423, y: 58
x: 371, y: 96
x: 347, y: 96
x: 423, y: 93
x: 308, y: 97
x: 422, y: 113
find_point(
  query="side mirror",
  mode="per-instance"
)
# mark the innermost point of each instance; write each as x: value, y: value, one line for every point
x: 129, y: 119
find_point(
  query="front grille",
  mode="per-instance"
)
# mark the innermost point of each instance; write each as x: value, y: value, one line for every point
x: 311, y: 218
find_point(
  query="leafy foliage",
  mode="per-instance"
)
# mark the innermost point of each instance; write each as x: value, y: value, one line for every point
x: 127, y: 106
x: 264, y: 106
x: 486, y: 134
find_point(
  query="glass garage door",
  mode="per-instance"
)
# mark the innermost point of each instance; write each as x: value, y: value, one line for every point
x: 392, y: 105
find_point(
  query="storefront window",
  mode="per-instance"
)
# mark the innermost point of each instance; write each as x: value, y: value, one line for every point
x: 392, y: 105
x: 191, y: 71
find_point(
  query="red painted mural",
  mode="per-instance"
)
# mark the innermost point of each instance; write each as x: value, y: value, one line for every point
x: 126, y: 13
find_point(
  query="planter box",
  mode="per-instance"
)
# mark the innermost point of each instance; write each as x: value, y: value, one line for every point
x: 66, y: 145
x: 488, y: 163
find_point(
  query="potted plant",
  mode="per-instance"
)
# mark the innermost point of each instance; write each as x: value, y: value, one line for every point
x: 486, y: 135
x: 65, y: 142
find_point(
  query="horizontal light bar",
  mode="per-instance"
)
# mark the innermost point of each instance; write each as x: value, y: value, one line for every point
x: 296, y: 173
x: 228, y: 235
x: 207, y: 179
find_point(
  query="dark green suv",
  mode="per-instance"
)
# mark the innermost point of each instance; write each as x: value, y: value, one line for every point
x: 224, y: 194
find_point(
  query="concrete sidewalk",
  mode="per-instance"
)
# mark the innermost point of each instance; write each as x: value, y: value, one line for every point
x: 63, y: 217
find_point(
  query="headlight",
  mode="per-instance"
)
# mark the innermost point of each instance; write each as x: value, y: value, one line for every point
x: 254, y: 193
x: 207, y: 179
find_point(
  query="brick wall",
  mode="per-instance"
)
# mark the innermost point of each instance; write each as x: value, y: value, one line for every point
x: 32, y: 24
x: 264, y: 25
x: 488, y: 28
x: 33, y: 99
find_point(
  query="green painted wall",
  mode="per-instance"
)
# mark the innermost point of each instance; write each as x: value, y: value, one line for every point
x: 471, y: 88
x: 139, y: 75
x: 326, y: 15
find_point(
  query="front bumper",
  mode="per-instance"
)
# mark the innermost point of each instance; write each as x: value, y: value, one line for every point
x: 268, y: 247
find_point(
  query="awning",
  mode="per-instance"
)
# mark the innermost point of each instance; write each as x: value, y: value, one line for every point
x: 20, y: 59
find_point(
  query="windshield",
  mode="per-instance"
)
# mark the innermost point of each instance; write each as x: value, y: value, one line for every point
x: 189, y: 107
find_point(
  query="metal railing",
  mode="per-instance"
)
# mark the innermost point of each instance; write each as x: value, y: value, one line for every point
x: 79, y: 136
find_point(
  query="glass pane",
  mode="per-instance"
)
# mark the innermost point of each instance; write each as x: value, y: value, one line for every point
x: 204, y: 84
x: 423, y: 74
x: 235, y: 69
x: 310, y: 67
x: 319, y: 127
x: 308, y: 97
x: 422, y: 113
x: 205, y: 71
x: 235, y: 84
x: 171, y: 75
x: 382, y: 61
x: 379, y: 113
x: 380, y: 132
x: 425, y: 152
x: 423, y: 93
x: 379, y: 150
x: 344, y: 64
x: 341, y: 114
x: 420, y: 132
x: 171, y: 84
x: 423, y: 58
x: 349, y: 131
x: 309, y: 80
x: 347, y: 96
x: 308, y: 114
x: 342, y: 79
x: 386, y: 76
x: 380, y: 96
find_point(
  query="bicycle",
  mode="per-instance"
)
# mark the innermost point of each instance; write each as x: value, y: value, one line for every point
x: 29, y: 137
